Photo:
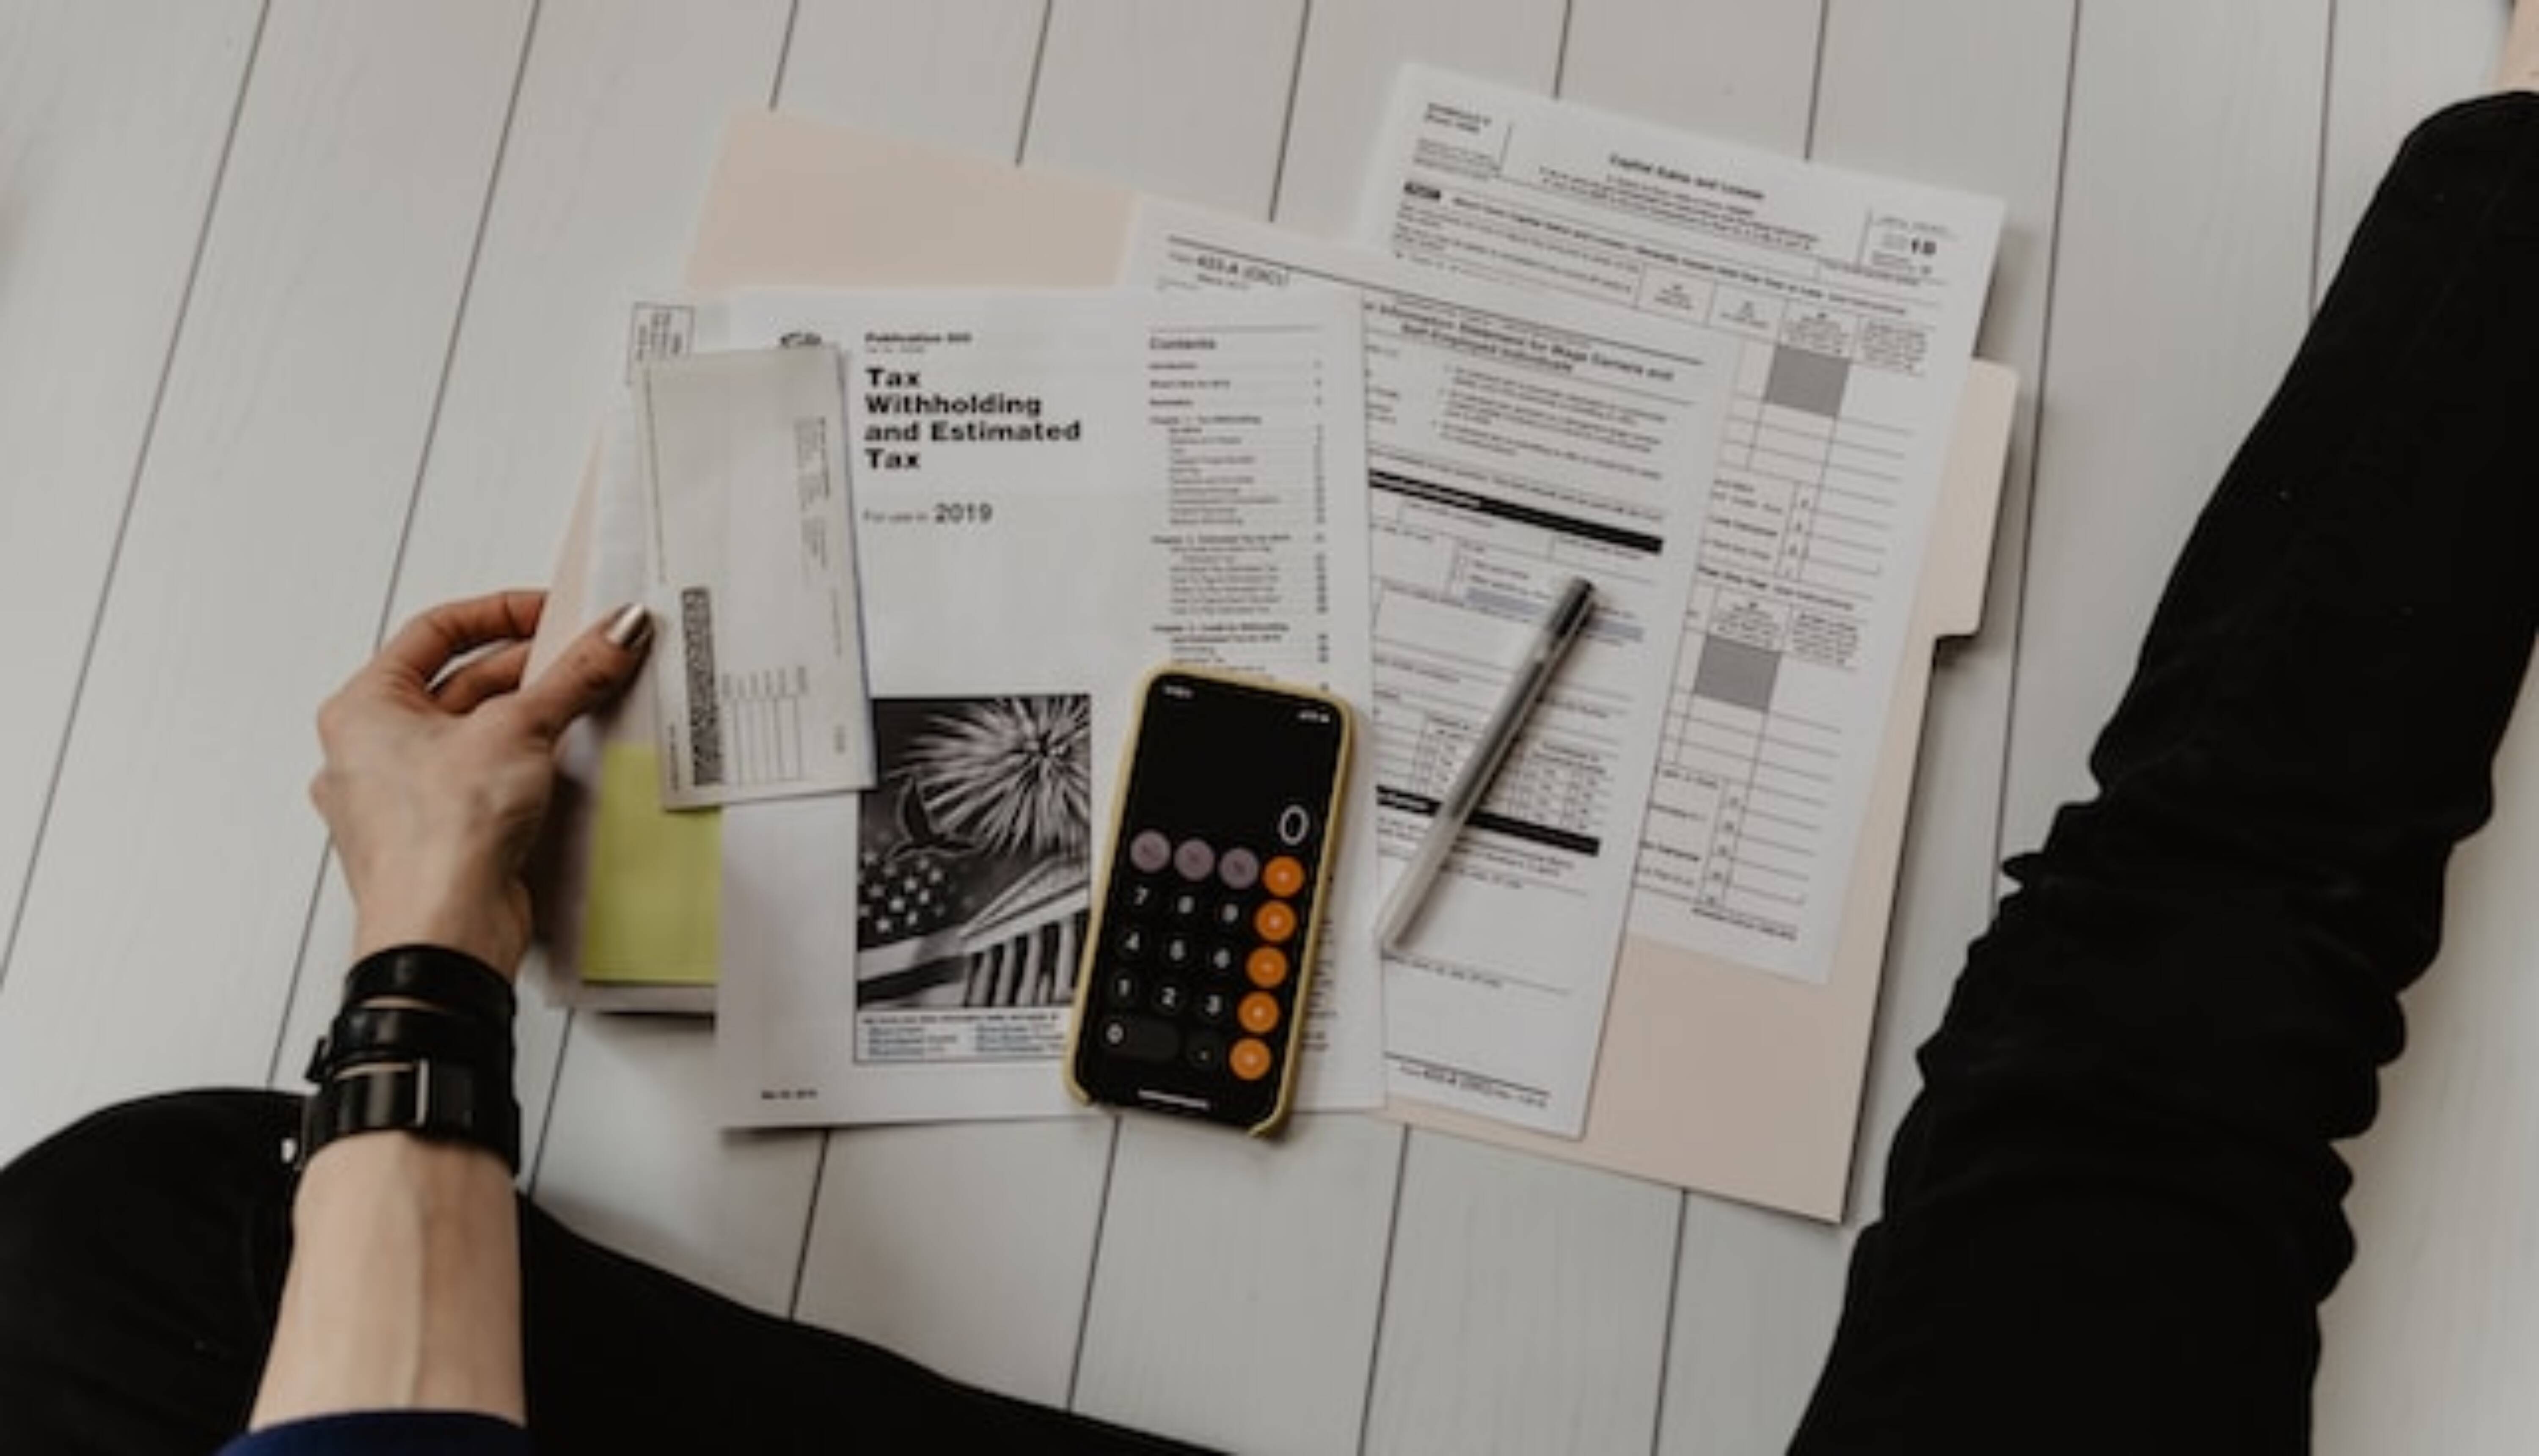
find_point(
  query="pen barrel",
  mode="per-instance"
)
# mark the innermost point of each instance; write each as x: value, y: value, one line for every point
x: 1411, y: 891
x: 1498, y: 736
x: 1567, y: 619
x: 1561, y: 628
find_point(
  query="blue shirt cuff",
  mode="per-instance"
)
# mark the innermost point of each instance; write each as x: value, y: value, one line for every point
x: 387, y: 1434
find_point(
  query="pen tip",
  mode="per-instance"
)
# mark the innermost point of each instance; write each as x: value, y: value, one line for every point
x: 1577, y: 598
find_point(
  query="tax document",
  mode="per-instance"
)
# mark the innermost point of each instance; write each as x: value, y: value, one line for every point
x: 1514, y: 440
x: 753, y: 569
x: 1845, y: 307
x: 1053, y: 494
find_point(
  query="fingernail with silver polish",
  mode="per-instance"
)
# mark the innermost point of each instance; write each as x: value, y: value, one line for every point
x: 630, y: 628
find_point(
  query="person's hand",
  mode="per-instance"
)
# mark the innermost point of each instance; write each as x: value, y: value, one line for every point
x: 438, y: 775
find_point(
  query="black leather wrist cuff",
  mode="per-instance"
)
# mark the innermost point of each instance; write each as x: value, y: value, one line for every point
x: 363, y: 1035
x: 447, y: 979
x: 444, y: 1101
x: 437, y: 1062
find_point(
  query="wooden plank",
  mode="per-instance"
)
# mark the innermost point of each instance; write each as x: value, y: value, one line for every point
x: 2005, y: 72
x: 1234, y: 1301
x: 628, y: 1162
x: 751, y: 1244
x: 1755, y: 1298
x: 1527, y: 1306
x: 916, y: 1241
x: 2426, y: 1346
x: 620, y: 113
x: 1560, y: 1371
x: 2430, y: 1340
x: 1353, y: 47
x: 1312, y: 1211
x: 967, y: 1247
x: 2180, y: 291
x: 954, y: 72
x: 2391, y: 65
x: 1183, y: 97
x: 180, y: 853
x: 1737, y: 69
x: 112, y: 122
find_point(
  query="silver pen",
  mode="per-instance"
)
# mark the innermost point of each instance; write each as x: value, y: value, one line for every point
x: 1567, y: 619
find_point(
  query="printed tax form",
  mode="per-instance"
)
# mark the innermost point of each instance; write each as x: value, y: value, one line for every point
x: 1514, y: 440
x: 1053, y: 492
x: 1847, y: 306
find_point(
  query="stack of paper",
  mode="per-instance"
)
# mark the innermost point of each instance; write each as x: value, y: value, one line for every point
x: 1719, y: 384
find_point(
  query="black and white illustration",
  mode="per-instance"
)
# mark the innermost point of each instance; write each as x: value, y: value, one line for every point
x: 973, y: 883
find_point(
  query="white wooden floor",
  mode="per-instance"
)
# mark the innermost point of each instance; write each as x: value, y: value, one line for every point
x: 306, y: 309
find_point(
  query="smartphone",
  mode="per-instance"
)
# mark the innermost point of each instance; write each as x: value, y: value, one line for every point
x: 1201, y: 955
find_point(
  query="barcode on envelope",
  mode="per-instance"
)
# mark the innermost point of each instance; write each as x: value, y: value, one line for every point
x: 704, y: 708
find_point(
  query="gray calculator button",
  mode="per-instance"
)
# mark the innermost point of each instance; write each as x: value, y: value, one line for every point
x: 1194, y: 857
x: 1240, y: 869
x: 1150, y: 851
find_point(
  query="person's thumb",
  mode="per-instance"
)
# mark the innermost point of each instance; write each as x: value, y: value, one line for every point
x: 595, y: 668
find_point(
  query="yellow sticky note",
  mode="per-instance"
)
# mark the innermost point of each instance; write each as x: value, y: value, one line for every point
x: 654, y: 914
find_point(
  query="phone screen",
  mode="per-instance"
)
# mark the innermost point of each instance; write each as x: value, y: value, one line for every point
x: 1198, y: 966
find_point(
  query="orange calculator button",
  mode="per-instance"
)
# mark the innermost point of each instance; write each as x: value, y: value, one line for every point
x: 1259, y: 1013
x: 1267, y: 966
x: 1283, y: 875
x: 1274, y: 920
x: 1250, y: 1059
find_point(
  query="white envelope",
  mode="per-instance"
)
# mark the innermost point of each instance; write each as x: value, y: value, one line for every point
x: 751, y: 556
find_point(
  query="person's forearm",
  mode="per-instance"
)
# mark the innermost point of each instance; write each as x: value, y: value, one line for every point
x: 404, y: 1289
x: 2517, y: 69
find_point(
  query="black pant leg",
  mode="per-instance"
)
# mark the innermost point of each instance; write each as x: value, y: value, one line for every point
x: 141, y: 1264
x: 142, y: 1257
x: 2114, y: 1207
x: 624, y: 1357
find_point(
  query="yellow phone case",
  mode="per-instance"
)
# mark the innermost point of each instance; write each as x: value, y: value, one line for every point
x: 1309, y: 953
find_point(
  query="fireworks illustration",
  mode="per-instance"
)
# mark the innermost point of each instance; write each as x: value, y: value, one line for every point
x: 1009, y: 775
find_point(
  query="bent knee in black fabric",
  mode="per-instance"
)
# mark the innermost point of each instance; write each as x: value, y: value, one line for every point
x: 2116, y: 1203
x: 141, y: 1261
x: 2108, y: 1322
x: 624, y: 1357
x: 142, y: 1257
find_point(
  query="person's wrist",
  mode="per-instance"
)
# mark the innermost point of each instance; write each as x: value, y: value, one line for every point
x: 423, y: 1045
x: 469, y: 923
x: 402, y: 1151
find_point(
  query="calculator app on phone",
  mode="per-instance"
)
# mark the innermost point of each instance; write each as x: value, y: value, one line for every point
x: 1196, y: 965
